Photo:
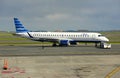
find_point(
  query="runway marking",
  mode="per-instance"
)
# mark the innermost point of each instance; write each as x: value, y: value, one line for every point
x: 13, y: 70
x: 109, y: 75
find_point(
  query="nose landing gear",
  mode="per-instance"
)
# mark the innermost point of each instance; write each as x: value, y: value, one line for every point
x: 103, y: 45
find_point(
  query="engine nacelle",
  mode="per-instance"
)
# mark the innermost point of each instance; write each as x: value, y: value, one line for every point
x: 64, y: 43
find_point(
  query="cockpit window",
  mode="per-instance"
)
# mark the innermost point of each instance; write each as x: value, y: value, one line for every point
x: 100, y: 35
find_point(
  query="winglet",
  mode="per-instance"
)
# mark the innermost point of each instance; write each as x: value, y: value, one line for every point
x: 19, y: 26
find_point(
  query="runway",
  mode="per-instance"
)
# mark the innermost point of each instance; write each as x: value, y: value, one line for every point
x: 59, y: 62
x: 57, y: 51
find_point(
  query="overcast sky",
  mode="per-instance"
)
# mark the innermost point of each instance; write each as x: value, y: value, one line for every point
x: 61, y: 14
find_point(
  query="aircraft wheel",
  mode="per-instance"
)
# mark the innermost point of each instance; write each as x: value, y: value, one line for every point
x: 54, y: 45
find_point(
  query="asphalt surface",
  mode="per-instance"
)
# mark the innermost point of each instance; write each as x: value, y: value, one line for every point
x: 60, y: 62
x: 57, y: 51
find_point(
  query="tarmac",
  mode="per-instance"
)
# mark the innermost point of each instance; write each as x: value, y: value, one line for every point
x: 37, y: 50
x: 60, y: 62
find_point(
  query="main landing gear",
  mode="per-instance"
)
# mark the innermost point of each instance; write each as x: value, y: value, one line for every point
x: 54, y: 44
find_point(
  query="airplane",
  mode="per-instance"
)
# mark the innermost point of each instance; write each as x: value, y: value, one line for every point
x: 59, y: 38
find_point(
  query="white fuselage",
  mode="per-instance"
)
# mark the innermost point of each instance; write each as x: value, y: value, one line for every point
x: 71, y: 36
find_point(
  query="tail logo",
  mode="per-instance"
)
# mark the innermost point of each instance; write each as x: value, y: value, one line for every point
x: 19, y: 26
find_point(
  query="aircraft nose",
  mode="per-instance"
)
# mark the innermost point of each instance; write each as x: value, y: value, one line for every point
x: 106, y: 39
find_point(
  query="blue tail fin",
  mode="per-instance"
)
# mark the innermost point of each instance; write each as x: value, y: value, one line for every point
x: 19, y: 27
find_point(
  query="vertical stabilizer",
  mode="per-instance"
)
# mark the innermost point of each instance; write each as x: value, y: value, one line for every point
x: 19, y: 26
